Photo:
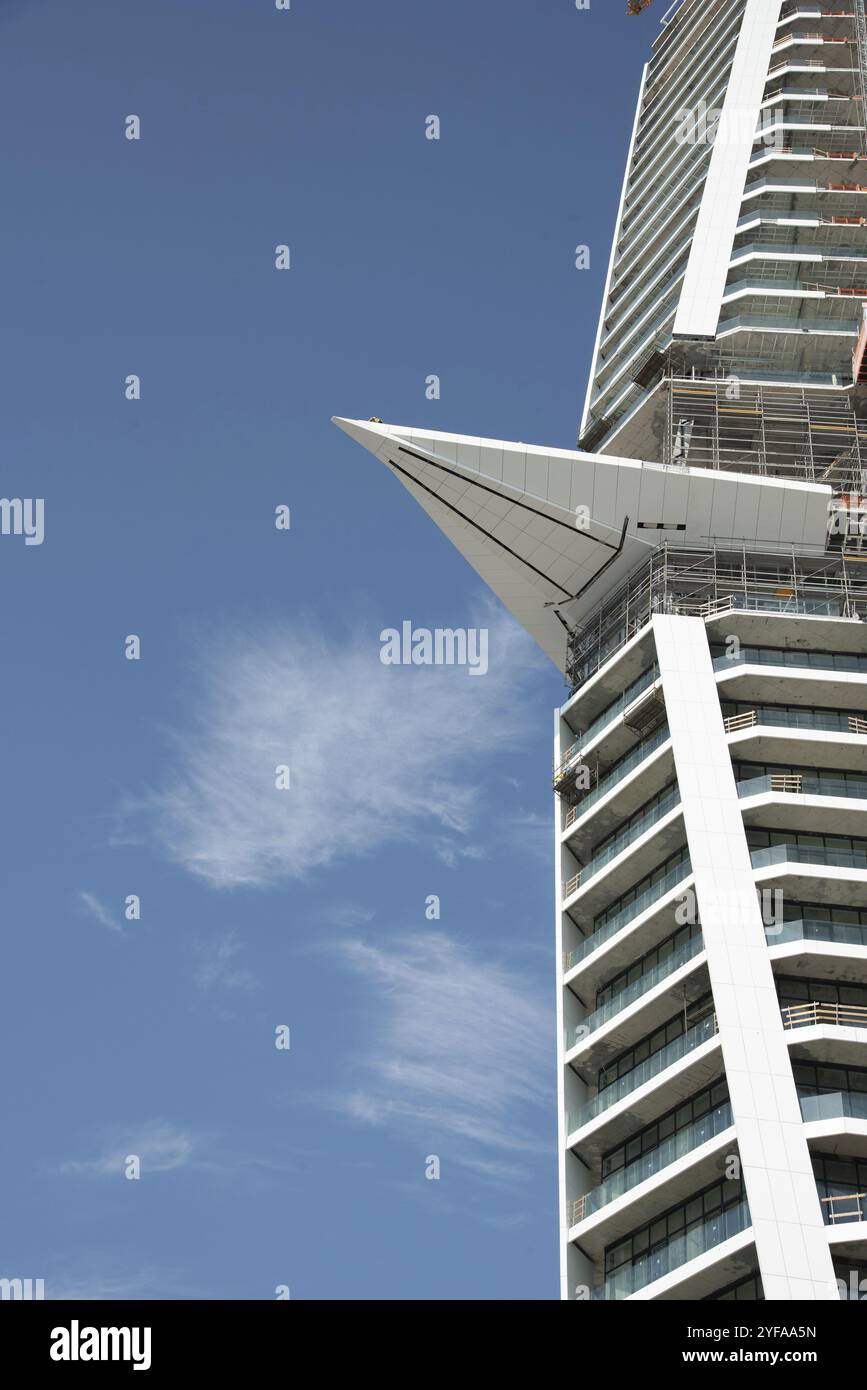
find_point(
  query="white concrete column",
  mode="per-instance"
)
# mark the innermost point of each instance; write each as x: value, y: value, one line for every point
x: 791, y: 1240
x: 563, y: 1225
x: 698, y: 310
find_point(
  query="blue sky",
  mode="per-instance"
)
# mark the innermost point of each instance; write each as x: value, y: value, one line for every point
x: 410, y: 257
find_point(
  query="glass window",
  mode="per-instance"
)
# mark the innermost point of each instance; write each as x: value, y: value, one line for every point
x: 681, y: 1233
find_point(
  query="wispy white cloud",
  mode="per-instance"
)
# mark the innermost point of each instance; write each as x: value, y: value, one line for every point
x: 98, y: 1279
x: 348, y: 915
x: 217, y: 966
x: 451, y: 853
x: 97, y: 910
x: 461, y: 1050
x: 530, y: 832
x: 378, y: 754
x: 165, y: 1147
x: 161, y: 1146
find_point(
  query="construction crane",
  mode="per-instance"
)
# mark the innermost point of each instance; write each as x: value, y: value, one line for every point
x: 636, y: 6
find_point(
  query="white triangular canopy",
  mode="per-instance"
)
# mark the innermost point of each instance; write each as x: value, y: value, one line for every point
x: 540, y: 525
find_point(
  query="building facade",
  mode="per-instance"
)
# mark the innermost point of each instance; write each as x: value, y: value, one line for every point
x: 695, y: 568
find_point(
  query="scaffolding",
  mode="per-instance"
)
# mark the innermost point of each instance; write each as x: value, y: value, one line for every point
x: 808, y: 434
x: 861, y: 42
x: 704, y: 583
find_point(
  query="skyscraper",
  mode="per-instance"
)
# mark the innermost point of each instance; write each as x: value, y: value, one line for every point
x: 695, y: 569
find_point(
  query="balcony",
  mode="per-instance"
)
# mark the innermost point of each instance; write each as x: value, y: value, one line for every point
x: 814, y: 661
x: 680, y: 1047
x: 817, y: 929
x: 616, y: 774
x: 608, y: 715
x: 833, y: 1105
x: 812, y: 38
x: 628, y: 996
x: 806, y: 854
x: 814, y: 1015
x: 633, y: 832
x: 677, y: 1146
x: 658, y: 890
x: 790, y: 718
x: 676, y: 1252
x: 801, y: 784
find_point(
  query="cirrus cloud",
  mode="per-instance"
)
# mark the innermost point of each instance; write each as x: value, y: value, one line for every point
x: 378, y: 754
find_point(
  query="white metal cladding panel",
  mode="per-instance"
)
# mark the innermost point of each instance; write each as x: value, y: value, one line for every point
x: 791, y: 1241
x: 701, y: 298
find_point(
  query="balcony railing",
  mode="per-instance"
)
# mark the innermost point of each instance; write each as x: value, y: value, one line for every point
x: 735, y: 722
x: 809, y: 38
x: 714, y: 608
x: 797, y: 784
x: 617, y: 773
x: 807, y: 854
x: 827, y: 721
x: 817, y: 929
x: 831, y: 146
x: 676, y: 1146
x: 633, y: 832
x: 813, y: 661
x: 628, y: 914
x: 833, y: 1105
x: 800, y: 63
x: 645, y: 1071
x: 849, y: 1206
x: 678, y: 1251
x: 811, y: 1015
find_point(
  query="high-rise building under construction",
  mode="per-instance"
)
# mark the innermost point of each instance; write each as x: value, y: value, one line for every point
x: 697, y: 568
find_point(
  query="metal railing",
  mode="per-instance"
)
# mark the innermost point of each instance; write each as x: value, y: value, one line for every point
x: 848, y: 1206
x: 736, y: 722
x: 800, y: 784
x: 813, y: 1014
x: 807, y: 37
x: 827, y: 720
x: 791, y: 783
x: 799, y: 63
x: 758, y: 603
x: 571, y: 885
